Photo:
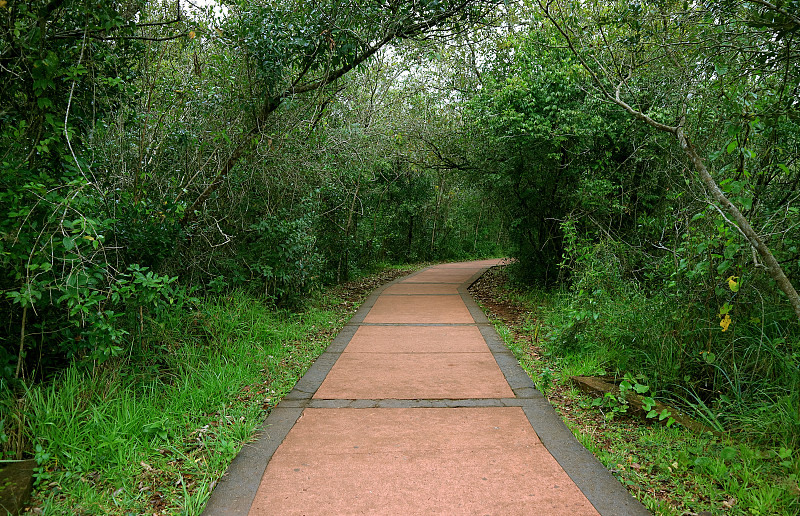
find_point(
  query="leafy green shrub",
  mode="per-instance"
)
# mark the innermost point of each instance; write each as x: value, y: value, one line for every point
x: 147, y: 230
x: 283, y: 252
x: 728, y: 376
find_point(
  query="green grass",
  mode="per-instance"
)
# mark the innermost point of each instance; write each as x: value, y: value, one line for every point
x: 671, y: 470
x: 152, y: 433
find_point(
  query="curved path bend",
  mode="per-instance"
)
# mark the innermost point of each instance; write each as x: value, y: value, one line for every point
x: 417, y: 407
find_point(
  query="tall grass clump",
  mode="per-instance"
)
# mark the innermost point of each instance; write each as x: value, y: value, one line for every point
x: 153, y: 430
x: 732, y: 362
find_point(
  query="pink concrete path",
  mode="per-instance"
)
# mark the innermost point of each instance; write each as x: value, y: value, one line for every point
x: 418, y: 408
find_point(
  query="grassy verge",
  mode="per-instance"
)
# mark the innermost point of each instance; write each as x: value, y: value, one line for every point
x: 671, y: 470
x: 152, y: 433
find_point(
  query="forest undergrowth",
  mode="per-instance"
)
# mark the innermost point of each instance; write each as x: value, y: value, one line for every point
x: 674, y: 471
x: 152, y: 433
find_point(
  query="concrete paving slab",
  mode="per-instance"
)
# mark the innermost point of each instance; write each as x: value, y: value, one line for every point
x: 598, y: 484
x: 376, y: 455
x: 234, y: 492
x: 419, y: 309
x: 417, y: 339
x: 455, y: 275
x: 342, y: 339
x: 416, y: 461
x: 479, y: 264
x: 415, y: 403
x: 421, y: 288
x: 414, y: 376
x: 475, y: 311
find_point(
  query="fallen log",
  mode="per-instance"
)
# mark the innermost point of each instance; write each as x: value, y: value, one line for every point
x: 597, y: 387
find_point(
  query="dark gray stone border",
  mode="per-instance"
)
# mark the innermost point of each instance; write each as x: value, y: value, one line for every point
x: 600, y: 487
x: 417, y: 324
x: 407, y: 403
x: 236, y: 490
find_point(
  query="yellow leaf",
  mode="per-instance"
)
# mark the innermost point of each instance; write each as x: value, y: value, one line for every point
x: 732, y: 284
x: 3, y: 3
x: 725, y: 322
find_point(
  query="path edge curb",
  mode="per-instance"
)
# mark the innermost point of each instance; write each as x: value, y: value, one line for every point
x: 608, y: 496
x: 228, y: 499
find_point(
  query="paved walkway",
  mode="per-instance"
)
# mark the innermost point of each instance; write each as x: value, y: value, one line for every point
x: 417, y: 407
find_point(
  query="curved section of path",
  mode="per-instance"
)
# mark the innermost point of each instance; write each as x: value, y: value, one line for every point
x: 417, y: 407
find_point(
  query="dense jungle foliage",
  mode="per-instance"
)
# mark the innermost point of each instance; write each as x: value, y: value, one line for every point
x: 640, y: 159
x: 150, y: 151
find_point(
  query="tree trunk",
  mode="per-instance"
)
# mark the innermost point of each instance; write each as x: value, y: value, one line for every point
x: 739, y: 220
x: 21, y: 341
x: 477, y: 228
x: 410, y: 236
x: 345, y: 256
